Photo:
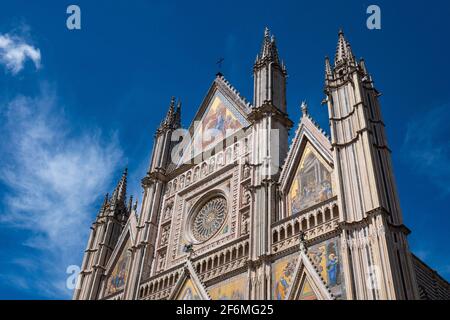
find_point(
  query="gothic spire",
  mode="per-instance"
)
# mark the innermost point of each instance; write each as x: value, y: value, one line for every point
x: 343, y: 50
x: 170, y: 116
x: 269, y: 51
x: 121, y: 189
x: 130, y: 203
x: 104, y: 205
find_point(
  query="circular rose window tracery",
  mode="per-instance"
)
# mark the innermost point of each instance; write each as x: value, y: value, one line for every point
x: 209, y: 219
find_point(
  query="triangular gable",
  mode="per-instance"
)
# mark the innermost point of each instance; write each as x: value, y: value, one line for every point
x: 308, y: 139
x: 307, y: 131
x: 119, y: 264
x: 222, y: 113
x: 307, y: 284
x: 118, y: 275
x: 311, y: 183
x: 128, y: 232
x: 189, y: 286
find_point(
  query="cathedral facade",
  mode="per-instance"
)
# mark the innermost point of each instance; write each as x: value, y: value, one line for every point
x: 231, y: 210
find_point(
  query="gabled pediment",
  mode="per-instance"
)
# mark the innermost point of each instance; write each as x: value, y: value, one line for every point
x: 128, y: 235
x: 118, y: 267
x: 222, y: 114
x: 306, y: 178
x: 307, y: 283
x: 189, y: 286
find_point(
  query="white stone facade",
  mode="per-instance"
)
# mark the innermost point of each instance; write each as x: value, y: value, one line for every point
x: 252, y: 217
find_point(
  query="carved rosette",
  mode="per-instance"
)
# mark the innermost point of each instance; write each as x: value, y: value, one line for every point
x: 209, y: 219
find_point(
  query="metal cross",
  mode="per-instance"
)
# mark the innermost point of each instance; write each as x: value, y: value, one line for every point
x: 219, y: 62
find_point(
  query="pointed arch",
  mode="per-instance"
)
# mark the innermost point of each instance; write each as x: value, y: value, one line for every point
x: 189, y: 286
x: 307, y: 283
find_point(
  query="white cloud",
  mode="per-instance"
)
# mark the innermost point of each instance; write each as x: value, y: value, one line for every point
x: 427, y: 146
x: 14, y: 51
x: 54, y: 176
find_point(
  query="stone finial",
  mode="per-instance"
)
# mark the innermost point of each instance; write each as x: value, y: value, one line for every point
x: 304, y: 108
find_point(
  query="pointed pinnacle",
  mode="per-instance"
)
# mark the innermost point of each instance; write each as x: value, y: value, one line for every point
x: 170, y: 116
x: 130, y: 203
x: 121, y: 188
x: 327, y: 67
x: 343, y: 50
x: 268, y: 49
x: 104, y: 205
x: 106, y: 199
x: 362, y: 65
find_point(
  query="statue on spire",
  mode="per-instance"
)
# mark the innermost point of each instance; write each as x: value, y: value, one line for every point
x: 304, y: 108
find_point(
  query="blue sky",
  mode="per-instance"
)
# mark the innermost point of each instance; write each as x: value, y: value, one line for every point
x: 76, y: 107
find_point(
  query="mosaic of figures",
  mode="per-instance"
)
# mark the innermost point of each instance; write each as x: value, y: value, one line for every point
x: 119, y: 275
x: 312, y: 182
x: 327, y: 258
x: 282, y: 275
x: 219, y: 121
x: 232, y: 289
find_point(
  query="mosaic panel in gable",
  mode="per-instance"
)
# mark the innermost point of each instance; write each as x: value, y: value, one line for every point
x: 282, y: 276
x: 220, y: 120
x: 326, y: 256
x: 311, y: 184
x: 235, y: 288
x: 119, y: 275
x: 188, y: 291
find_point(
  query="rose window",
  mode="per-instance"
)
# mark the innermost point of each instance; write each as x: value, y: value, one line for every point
x: 209, y: 219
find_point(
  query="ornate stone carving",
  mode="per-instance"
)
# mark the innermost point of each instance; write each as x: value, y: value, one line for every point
x: 161, y: 260
x: 244, y: 223
x: 168, y: 210
x: 209, y: 219
x: 165, y: 235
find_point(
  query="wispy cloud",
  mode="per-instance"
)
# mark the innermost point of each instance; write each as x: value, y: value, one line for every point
x: 427, y: 146
x: 53, y: 175
x: 14, y: 51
